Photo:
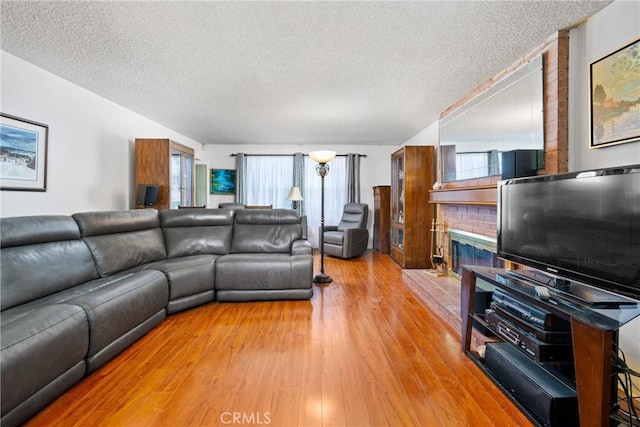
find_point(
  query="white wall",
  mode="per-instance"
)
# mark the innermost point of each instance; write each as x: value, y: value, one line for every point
x: 91, y: 150
x: 427, y: 136
x: 615, y: 26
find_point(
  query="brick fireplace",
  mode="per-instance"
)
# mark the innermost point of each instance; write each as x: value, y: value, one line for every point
x: 471, y: 219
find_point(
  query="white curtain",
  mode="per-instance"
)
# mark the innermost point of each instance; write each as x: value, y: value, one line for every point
x: 267, y: 180
x: 335, y: 195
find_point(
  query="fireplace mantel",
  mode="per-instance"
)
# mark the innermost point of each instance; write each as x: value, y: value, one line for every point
x: 482, y: 195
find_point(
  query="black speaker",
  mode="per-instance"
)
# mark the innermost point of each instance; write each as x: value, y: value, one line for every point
x: 147, y: 194
x: 520, y: 163
x: 551, y: 401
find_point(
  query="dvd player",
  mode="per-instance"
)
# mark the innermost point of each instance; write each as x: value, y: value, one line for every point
x: 530, y: 314
x: 551, y: 337
x: 527, y: 343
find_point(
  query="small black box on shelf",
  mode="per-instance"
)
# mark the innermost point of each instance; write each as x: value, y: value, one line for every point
x: 481, y: 302
x: 551, y: 401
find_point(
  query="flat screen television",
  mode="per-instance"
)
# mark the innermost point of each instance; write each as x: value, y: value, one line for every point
x: 580, y: 226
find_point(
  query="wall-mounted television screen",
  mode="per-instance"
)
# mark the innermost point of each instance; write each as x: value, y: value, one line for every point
x: 582, y: 226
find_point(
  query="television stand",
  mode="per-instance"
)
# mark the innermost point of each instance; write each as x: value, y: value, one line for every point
x: 594, y: 333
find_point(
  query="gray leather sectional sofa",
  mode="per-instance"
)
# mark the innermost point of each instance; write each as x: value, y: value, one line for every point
x: 77, y: 290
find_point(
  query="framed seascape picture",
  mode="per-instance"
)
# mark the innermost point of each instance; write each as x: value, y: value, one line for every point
x: 23, y: 154
x: 615, y: 97
x: 223, y: 181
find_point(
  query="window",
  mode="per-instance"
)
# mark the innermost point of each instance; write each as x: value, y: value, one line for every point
x: 268, y: 180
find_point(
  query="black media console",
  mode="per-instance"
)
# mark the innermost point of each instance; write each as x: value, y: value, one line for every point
x: 553, y: 355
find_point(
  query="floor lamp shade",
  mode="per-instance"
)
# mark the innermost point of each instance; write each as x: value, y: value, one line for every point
x: 322, y: 156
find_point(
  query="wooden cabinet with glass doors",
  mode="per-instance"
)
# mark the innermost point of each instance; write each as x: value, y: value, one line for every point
x: 412, y: 176
x: 168, y: 164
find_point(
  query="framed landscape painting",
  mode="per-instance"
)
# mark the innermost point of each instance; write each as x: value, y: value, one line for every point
x: 223, y: 181
x: 23, y: 154
x: 615, y: 97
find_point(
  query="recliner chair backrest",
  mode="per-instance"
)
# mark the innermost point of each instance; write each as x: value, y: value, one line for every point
x: 120, y: 240
x: 197, y: 231
x: 41, y: 255
x: 354, y: 215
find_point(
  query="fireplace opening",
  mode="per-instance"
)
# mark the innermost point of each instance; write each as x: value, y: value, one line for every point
x: 472, y: 249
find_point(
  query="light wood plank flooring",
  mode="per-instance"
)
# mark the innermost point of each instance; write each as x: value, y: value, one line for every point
x: 364, y: 351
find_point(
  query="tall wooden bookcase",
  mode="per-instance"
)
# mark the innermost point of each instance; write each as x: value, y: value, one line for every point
x: 168, y: 164
x: 412, y: 176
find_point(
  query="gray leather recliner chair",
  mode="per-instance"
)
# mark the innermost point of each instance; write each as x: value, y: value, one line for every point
x: 349, y: 238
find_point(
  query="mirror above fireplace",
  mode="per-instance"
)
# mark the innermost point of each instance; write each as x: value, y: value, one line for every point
x: 505, y: 117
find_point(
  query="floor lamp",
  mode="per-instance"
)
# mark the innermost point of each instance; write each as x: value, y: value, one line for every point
x: 322, y: 158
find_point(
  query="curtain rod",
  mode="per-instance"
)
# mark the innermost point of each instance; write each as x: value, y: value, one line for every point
x: 337, y: 155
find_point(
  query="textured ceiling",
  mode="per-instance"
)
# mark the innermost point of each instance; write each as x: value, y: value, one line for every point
x: 283, y: 72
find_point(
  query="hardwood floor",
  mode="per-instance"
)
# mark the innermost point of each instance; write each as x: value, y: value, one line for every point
x: 364, y: 351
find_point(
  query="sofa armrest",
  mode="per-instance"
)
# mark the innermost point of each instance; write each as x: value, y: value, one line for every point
x: 355, y: 241
x: 301, y: 247
x: 353, y: 235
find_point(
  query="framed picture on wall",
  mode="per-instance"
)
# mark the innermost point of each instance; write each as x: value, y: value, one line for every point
x: 23, y: 154
x: 615, y: 97
x: 223, y: 181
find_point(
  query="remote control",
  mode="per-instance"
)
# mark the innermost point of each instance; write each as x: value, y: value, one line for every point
x: 542, y: 292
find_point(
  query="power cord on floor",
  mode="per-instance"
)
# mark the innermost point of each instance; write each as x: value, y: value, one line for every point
x: 624, y: 374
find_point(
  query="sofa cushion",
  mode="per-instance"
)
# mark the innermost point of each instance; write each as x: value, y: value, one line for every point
x: 265, y: 231
x: 264, y: 272
x: 40, y: 256
x: 37, y: 347
x: 197, y: 231
x: 117, y: 305
x: 28, y: 230
x: 190, y: 280
x: 334, y: 237
x: 114, y: 307
x: 122, y: 240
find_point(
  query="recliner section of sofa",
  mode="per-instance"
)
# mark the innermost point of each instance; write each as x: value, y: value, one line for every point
x: 195, y: 239
x: 75, y: 291
x: 269, y: 260
x: 131, y: 301
x: 60, y: 320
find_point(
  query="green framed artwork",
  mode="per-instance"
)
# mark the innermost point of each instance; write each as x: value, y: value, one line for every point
x: 223, y: 181
x: 615, y: 97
